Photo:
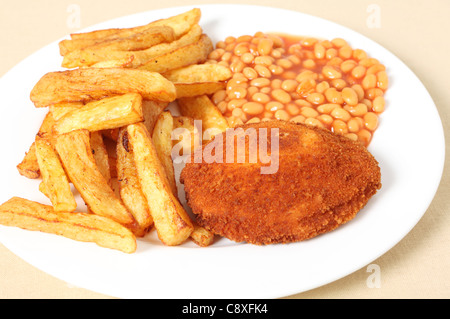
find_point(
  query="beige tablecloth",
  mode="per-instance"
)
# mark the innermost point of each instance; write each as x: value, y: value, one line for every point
x: 415, y: 30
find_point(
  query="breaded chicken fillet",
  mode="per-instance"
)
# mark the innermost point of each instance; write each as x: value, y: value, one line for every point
x: 323, y: 180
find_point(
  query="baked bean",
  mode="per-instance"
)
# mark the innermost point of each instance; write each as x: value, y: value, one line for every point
x: 338, y: 84
x: 250, y: 73
x: 263, y: 71
x: 232, y: 104
x: 322, y: 86
x: 309, y: 63
x: 349, y: 95
x: 264, y: 60
x: 331, y: 73
x: 325, y: 119
x: 261, y: 98
x: 357, y: 110
x: 373, y: 93
x: 364, y: 136
x: 371, y: 121
x: 338, y: 42
x: 254, y: 120
x: 359, y: 91
x: 305, y: 87
x: 281, y: 96
x: 274, y: 106
x: 378, y: 104
x: 276, y: 84
x: 359, y: 54
x: 282, y: 115
x: 333, y: 96
x: 252, y: 90
x: 275, y: 69
x: 253, y: 108
x: 319, y: 51
x: 315, y: 98
x: 298, y: 119
x: 318, y: 82
x: 369, y: 81
x: 289, y: 85
x: 374, y: 69
x: 327, y: 107
x: 292, y: 109
x: 351, y: 136
x: 301, y: 102
x: 382, y: 80
x: 345, y: 52
x: 331, y: 53
x: 313, y: 121
x: 247, y: 58
x: 353, y: 125
x: 309, y: 112
x: 339, y: 127
x: 348, y: 65
x: 260, y: 82
x: 237, y: 92
x: 341, y: 114
x: 219, y: 96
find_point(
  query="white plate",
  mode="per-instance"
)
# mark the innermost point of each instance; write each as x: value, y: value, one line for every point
x: 409, y: 146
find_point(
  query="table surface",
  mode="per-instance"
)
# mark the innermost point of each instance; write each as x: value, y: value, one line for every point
x: 417, y: 32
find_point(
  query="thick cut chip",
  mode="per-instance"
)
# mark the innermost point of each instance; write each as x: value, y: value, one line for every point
x: 199, y: 73
x: 185, y: 136
x: 75, y: 152
x: 100, y: 154
x: 33, y: 216
x: 187, y: 55
x: 108, y: 113
x: 171, y: 221
x: 203, y: 109
x: 57, y: 187
x: 29, y: 166
x: 180, y: 24
x: 98, y: 52
x: 129, y: 186
x: 87, y: 84
x: 161, y: 137
x: 196, y: 89
x: 151, y: 111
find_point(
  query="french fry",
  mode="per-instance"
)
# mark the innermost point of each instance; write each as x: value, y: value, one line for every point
x: 54, y: 179
x: 196, y: 89
x: 162, y: 141
x: 30, y: 215
x: 108, y: 113
x: 199, y: 73
x: 129, y: 186
x: 163, y: 145
x: 29, y: 166
x: 189, y: 139
x: 61, y: 109
x: 87, y: 84
x: 98, y: 52
x: 180, y: 24
x: 151, y: 111
x: 135, y: 58
x: 187, y: 55
x: 100, y: 155
x: 201, y: 236
x: 76, y: 156
x: 125, y: 62
x: 201, y: 108
x: 171, y: 221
